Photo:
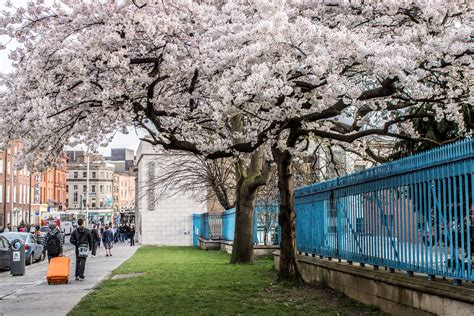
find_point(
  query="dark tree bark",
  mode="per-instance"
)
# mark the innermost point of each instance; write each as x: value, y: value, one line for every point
x: 242, y: 251
x: 286, y: 219
x: 249, y: 179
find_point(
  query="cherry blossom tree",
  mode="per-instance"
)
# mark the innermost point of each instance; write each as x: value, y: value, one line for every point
x: 240, y: 78
x: 341, y: 71
x: 90, y: 68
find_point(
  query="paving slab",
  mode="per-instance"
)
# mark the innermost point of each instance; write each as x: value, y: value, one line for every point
x: 31, y: 295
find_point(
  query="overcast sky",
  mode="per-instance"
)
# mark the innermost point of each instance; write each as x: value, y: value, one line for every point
x: 120, y: 140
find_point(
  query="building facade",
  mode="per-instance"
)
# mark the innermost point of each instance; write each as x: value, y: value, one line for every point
x: 124, y: 193
x: 15, y: 188
x: 122, y: 159
x: 31, y: 193
x: 96, y: 200
x: 161, y: 220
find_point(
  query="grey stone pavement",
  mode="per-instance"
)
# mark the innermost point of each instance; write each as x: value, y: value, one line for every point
x: 30, y: 294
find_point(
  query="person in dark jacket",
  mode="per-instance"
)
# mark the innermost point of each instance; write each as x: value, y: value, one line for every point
x: 95, y: 240
x: 132, y: 236
x: 108, y: 240
x: 81, y: 238
x: 53, y: 242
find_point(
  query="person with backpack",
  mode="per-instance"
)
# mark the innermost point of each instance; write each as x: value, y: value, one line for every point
x: 95, y: 240
x: 81, y: 238
x: 108, y: 240
x: 53, y: 242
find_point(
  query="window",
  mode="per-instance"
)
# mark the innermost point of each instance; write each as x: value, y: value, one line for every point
x: 359, y: 167
x: 67, y: 202
x: 101, y: 188
x: 93, y: 188
x: 67, y: 188
x: 93, y: 204
x: 75, y: 193
x: 84, y: 174
x: 101, y: 203
x: 84, y: 188
x: 75, y: 175
x: 93, y: 174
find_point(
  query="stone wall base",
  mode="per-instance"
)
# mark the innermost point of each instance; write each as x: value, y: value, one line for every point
x: 394, y: 293
x: 209, y: 244
x: 225, y: 245
x: 258, y: 250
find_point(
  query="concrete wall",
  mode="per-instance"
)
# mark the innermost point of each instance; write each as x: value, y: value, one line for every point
x: 161, y: 220
x: 394, y: 293
x: 227, y: 246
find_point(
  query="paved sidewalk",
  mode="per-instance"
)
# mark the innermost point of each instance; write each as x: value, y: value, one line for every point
x: 31, y: 295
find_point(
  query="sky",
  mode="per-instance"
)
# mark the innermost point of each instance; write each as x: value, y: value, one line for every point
x: 120, y: 140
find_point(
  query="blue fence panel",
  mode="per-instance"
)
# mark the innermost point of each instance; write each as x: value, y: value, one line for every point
x: 414, y: 214
x: 200, y: 227
x: 196, y: 228
x: 222, y: 226
x: 228, y: 224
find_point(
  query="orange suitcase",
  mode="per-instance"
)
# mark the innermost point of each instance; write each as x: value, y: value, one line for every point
x: 58, y: 270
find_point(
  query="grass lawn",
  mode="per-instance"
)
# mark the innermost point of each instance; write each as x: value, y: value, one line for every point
x: 187, y: 281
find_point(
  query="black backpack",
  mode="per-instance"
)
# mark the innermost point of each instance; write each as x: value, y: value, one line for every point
x: 53, y: 245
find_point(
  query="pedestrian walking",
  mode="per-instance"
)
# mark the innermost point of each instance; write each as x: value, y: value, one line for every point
x: 53, y: 242
x: 132, y: 236
x: 82, y: 239
x: 95, y: 240
x: 108, y: 240
x: 115, y: 233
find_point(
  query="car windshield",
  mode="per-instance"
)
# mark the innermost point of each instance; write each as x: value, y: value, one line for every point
x: 45, y: 229
x: 13, y: 236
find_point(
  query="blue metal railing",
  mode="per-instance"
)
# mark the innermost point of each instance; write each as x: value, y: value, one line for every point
x: 228, y: 224
x: 200, y: 227
x: 265, y: 225
x: 414, y: 214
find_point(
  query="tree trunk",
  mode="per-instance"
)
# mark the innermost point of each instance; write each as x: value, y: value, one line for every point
x: 242, y: 251
x: 288, y: 266
x: 250, y: 177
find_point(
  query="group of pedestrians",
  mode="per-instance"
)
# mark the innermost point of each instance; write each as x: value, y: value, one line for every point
x: 85, y: 240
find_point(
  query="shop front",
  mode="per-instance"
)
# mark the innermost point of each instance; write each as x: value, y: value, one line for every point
x: 101, y: 217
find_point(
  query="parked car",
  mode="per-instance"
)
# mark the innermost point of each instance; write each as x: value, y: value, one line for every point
x: 33, y: 248
x: 4, y: 253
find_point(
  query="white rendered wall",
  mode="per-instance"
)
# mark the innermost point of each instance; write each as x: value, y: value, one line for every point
x: 170, y: 221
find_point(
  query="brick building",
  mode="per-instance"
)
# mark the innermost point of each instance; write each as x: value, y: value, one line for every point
x: 23, y: 196
x: 49, y: 189
x: 15, y: 188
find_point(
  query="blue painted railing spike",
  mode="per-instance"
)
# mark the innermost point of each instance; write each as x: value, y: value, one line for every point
x: 414, y: 214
